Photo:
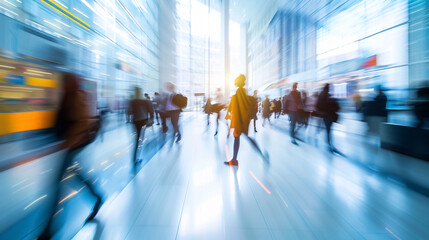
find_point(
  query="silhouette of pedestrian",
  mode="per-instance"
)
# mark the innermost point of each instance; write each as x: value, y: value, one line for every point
x: 294, y: 106
x: 77, y: 128
x: 266, y: 110
x: 141, y: 111
x: 239, y: 112
x: 328, y: 108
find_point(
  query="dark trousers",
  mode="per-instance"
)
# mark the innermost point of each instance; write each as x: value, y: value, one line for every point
x: 328, y: 126
x: 68, y: 161
x: 253, y: 143
x: 138, y: 125
x: 174, y: 118
x: 157, y: 116
x: 293, y: 117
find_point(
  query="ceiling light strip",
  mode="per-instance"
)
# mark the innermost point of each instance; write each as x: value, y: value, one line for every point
x: 64, y: 14
x: 69, y: 12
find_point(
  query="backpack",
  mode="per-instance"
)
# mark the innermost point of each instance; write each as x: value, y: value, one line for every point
x: 180, y: 100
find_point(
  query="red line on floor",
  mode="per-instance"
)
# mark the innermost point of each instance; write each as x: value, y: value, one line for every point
x: 257, y: 180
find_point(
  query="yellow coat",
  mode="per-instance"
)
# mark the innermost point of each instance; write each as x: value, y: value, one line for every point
x: 239, y: 111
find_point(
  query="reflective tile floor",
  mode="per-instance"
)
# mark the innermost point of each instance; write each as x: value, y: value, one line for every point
x: 300, y: 192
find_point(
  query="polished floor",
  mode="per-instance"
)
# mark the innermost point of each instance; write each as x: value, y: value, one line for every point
x: 184, y: 191
x: 301, y: 192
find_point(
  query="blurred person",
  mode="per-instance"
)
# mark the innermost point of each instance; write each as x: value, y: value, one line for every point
x: 141, y: 111
x: 305, y: 112
x: 76, y: 126
x: 284, y: 98
x: 294, y: 109
x: 421, y: 107
x: 380, y: 102
x: 277, y: 108
x: 375, y: 111
x: 103, y: 122
x: 208, y: 110
x: 218, y: 107
x: 327, y: 108
x: 254, y: 116
x: 266, y: 112
x: 357, y: 100
x: 146, y: 95
x: 311, y: 108
x: 158, y: 107
x: 172, y: 110
x: 239, y: 112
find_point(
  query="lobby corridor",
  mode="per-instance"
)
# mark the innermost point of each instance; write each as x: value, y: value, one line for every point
x: 301, y: 192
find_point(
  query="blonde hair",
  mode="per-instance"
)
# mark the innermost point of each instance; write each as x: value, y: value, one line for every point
x: 240, y: 81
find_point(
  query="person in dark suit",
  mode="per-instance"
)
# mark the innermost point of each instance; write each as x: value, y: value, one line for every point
x: 328, y: 108
x: 266, y: 111
x: 293, y: 105
x: 141, y: 111
x: 78, y: 128
x: 380, y: 102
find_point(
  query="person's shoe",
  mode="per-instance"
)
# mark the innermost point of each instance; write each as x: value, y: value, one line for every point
x: 255, y: 130
x: 179, y: 137
x: 215, y: 133
x: 233, y: 162
x: 294, y: 142
x: 158, y: 124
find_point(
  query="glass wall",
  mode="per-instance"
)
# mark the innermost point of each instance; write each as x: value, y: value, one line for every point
x: 112, y: 42
x: 285, y: 52
x: 199, y: 49
x: 347, y: 40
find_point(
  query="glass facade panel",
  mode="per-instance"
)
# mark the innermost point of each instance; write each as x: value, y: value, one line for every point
x: 114, y: 43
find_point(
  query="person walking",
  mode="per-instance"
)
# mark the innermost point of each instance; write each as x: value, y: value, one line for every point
x: 158, y: 107
x: 208, y: 110
x: 78, y: 128
x: 311, y: 111
x: 375, y: 112
x: 141, y: 111
x: 219, y: 105
x: 328, y: 108
x: 239, y: 112
x: 294, y: 108
x: 266, y: 111
x: 172, y: 111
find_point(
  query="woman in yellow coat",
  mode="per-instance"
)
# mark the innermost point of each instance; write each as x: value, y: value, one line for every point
x: 240, y: 112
